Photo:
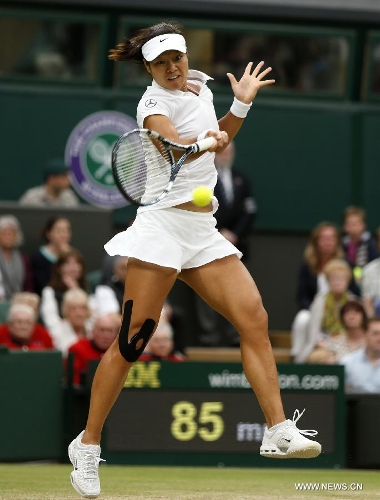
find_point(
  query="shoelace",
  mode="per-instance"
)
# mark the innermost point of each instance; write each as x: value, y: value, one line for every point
x: 90, y: 465
x: 306, y: 432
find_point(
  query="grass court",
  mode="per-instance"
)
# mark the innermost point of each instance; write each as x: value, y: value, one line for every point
x: 51, y: 482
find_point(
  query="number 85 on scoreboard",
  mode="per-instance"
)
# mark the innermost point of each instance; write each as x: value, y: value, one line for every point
x: 190, y: 421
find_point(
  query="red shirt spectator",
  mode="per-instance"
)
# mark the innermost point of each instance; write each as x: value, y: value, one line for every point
x: 104, y: 332
x: 22, y: 332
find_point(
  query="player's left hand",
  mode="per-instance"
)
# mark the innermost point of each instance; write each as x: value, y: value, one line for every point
x: 246, y: 88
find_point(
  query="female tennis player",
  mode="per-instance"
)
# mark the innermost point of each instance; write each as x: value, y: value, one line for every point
x: 175, y: 239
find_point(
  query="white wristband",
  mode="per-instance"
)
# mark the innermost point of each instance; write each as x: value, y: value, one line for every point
x: 203, y: 134
x: 240, y: 109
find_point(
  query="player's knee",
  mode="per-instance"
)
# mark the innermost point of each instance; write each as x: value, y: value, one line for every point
x: 258, y: 314
x: 252, y: 318
x: 262, y: 315
x: 132, y: 349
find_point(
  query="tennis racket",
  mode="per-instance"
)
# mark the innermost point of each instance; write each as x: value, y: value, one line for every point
x: 144, y: 167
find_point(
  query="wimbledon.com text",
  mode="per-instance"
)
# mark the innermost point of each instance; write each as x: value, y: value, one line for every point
x: 291, y: 381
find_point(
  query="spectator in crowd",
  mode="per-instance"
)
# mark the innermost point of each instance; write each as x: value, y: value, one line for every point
x: 29, y: 298
x: 354, y: 320
x: 21, y: 330
x: 68, y: 273
x: 362, y: 367
x: 75, y: 323
x: 371, y: 288
x: 104, y: 332
x: 359, y: 245
x: 55, y: 191
x: 235, y: 217
x: 15, y: 267
x: 324, y: 320
x: 323, y: 245
x: 161, y: 345
x: 56, y: 235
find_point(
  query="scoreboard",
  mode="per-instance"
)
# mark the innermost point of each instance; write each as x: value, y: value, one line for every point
x: 195, y: 413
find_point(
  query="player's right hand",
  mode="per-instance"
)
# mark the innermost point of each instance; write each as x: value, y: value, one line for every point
x: 221, y: 138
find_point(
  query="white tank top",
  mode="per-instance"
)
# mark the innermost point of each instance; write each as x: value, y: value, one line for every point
x: 191, y: 115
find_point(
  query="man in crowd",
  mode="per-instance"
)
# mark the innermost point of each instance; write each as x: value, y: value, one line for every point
x: 55, y: 192
x: 104, y: 332
x: 362, y: 367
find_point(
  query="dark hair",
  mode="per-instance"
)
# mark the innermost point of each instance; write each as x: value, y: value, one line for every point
x: 50, y: 223
x: 130, y: 48
x: 56, y: 275
x: 354, y: 305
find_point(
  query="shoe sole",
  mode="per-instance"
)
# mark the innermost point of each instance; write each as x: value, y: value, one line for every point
x: 79, y: 491
x: 310, y: 452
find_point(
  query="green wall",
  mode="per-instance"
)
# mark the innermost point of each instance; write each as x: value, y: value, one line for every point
x: 31, y: 405
x: 307, y: 160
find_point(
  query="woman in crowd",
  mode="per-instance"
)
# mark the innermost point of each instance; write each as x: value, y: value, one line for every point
x: 74, y: 324
x: 56, y: 235
x: 15, y: 269
x: 323, y: 245
x: 325, y: 320
x: 354, y: 320
x: 68, y: 273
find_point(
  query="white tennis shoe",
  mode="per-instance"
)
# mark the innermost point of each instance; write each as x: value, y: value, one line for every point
x: 85, y: 459
x: 285, y: 440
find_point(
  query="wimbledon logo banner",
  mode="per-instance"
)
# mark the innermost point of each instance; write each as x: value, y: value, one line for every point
x: 88, y: 153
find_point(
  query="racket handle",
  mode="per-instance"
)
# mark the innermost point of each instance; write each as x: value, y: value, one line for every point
x: 204, y: 144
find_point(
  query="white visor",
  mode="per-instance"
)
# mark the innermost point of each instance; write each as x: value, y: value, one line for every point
x: 159, y: 44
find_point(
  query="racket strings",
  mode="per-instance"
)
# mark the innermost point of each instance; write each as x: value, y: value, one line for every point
x: 143, y: 168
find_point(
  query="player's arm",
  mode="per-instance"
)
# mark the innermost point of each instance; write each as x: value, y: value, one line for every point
x: 164, y: 126
x: 245, y: 91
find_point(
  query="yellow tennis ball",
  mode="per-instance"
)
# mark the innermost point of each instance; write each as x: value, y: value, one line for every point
x: 202, y: 196
x: 358, y: 273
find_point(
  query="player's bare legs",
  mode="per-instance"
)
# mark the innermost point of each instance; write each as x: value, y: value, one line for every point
x: 226, y: 285
x: 148, y: 286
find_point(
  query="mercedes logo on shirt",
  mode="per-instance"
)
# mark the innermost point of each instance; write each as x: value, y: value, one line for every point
x: 150, y: 103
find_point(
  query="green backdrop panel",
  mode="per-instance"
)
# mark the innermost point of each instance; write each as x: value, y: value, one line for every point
x: 36, y: 128
x: 31, y: 405
x: 371, y: 167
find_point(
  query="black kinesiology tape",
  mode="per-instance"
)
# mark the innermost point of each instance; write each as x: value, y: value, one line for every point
x: 129, y: 349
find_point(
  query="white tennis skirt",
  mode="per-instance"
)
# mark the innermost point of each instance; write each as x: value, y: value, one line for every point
x: 174, y: 238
